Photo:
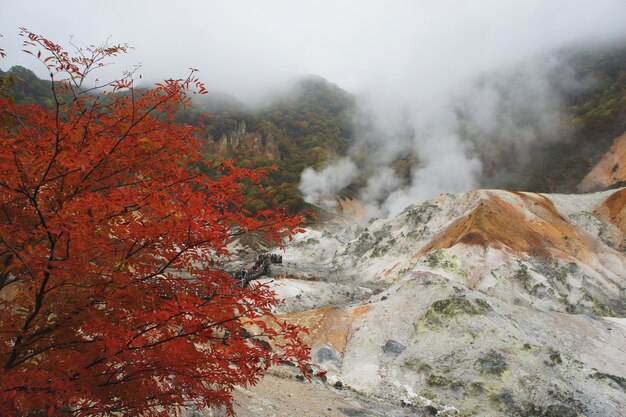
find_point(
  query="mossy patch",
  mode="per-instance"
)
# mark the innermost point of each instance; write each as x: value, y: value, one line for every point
x: 476, y: 388
x: 504, y: 400
x: 620, y: 381
x: 435, y: 380
x: 421, y: 214
x: 440, y: 381
x: 556, y: 272
x: 417, y: 365
x: 491, y: 362
x: 531, y: 349
x: 434, y: 258
x: 555, y: 357
x: 483, y: 304
x: 471, y: 412
x: 363, y: 244
x: 428, y: 394
x: 454, y: 306
x: 437, y: 258
x: 383, y: 241
x: 603, y: 310
x: 522, y: 275
x: 559, y: 410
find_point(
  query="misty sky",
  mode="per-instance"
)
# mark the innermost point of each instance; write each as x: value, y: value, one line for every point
x: 249, y: 47
x: 407, y: 61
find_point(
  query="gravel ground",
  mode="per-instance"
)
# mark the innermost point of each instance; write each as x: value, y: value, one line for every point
x: 277, y: 396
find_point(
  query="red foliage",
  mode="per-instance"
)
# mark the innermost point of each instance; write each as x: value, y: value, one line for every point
x: 111, y: 296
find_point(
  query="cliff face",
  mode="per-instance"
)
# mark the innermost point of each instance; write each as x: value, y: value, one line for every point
x: 612, y: 212
x: 489, y: 303
x: 611, y: 169
x: 240, y: 142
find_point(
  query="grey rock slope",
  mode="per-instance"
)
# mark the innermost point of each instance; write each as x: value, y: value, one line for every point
x: 490, y: 303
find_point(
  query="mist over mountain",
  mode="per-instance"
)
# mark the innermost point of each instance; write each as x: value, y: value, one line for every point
x: 539, y: 125
x: 445, y: 97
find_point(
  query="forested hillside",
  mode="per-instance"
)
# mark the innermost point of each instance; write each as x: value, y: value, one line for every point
x: 311, y: 124
x: 592, y: 115
x: 25, y: 87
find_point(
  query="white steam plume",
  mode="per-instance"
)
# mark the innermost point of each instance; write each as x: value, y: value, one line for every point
x: 424, y: 128
x: 491, y: 117
x: 320, y: 187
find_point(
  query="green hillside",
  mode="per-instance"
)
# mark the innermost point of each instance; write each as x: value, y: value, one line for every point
x: 312, y: 124
x: 591, y: 117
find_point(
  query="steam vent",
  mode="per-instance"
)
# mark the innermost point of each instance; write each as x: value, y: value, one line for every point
x: 486, y: 303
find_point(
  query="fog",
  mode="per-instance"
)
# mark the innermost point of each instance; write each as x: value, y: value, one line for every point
x: 449, y: 132
x: 415, y: 65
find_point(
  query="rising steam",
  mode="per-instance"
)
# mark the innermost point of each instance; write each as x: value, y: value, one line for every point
x: 449, y: 135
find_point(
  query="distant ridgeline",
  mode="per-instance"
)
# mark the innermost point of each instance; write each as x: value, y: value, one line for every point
x: 592, y: 115
x: 313, y: 124
x: 26, y: 88
x: 307, y: 126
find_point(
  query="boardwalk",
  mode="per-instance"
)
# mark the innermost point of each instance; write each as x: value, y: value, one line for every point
x: 260, y: 268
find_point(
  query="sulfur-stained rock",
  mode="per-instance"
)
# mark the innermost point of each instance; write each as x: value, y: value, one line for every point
x: 489, y: 303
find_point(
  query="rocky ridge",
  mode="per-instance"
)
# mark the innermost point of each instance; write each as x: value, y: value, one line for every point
x: 611, y: 169
x: 239, y: 141
x: 489, y: 303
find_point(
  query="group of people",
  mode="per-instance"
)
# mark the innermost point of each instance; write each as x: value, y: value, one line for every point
x: 274, y: 258
x: 261, y: 267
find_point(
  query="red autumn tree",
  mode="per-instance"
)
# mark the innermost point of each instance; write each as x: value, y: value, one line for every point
x: 112, y: 299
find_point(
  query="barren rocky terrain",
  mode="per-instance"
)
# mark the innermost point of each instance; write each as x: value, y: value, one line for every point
x: 489, y: 303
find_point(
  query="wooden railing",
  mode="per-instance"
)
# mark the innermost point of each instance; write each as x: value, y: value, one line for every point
x: 260, y: 268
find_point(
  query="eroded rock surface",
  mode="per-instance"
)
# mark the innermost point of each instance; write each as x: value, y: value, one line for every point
x: 611, y: 169
x: 489, y: 303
